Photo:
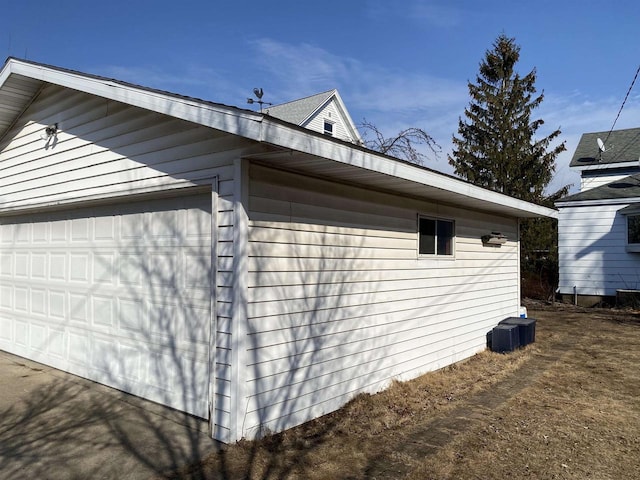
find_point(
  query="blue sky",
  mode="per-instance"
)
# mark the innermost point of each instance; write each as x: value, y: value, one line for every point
x: 396, y: 63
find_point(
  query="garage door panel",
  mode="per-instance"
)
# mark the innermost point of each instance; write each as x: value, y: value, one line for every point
x: 21, y: 295
x: 79, y: 267
x: 21, y: 266
x: 6, y: 265
x: 57, y: 267
x: 38, y: 337
x: 6, y: 297
x: 6, y: 329
x: 79, y: 351
x: 57, y: 304
x: 120, y: 294
x: 39, y: 301
x: 57, y: 343
x: 39, y: 266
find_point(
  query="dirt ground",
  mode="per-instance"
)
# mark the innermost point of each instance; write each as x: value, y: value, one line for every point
x: 565, y: 407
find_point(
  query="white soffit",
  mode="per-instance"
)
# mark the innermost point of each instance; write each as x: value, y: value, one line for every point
x: 387, y: 174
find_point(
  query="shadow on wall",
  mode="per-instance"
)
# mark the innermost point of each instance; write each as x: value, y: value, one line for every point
x: 136, y: 311
x: 136, y: 316
x: 157, y: 274
x: 311, y: 345
x: 606, y: 264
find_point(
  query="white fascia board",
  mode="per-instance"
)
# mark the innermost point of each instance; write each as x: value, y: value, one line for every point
x: 320, y: 146
x: 345, y: 114
x: 230, y: 120
x: 6, y: 71
x: 593, y: 203
x: 605, y: 166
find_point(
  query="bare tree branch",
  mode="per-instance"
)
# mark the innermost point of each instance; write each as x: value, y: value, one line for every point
x: 404, y: 145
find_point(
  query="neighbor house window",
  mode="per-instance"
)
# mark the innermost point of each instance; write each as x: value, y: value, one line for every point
x: 328, y: 127
x: 435, y: 236
x: 633, y: 229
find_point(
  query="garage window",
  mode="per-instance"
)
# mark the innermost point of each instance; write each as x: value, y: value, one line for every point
x: 435, y: 236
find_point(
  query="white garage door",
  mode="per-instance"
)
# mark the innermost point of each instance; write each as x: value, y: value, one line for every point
x: 120, y: 294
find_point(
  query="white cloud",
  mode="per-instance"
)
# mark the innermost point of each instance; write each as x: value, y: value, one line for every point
x: 444, y: 16
x: 428, y: 14
x: 392, y: 100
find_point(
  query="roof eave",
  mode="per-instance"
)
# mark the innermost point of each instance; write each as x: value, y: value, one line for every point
x: 258, y: 127
x: 229, y: 119
x: 592, y: 203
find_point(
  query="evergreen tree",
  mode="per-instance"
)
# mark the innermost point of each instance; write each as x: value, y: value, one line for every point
x: 497, y: 148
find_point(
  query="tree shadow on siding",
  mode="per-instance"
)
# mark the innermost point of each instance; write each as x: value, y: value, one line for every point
x: 72, y: 428
x: 312, y: 347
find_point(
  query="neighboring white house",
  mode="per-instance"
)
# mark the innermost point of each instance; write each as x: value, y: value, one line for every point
x: 230, y: 264
x: 324, y: 112
x: 599, y: 228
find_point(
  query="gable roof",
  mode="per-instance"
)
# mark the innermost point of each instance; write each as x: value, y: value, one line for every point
x: 298, y: 111
x: 625, y: 188
x: 286, y: 146
x: 302, y: 111
x: 622, y: 146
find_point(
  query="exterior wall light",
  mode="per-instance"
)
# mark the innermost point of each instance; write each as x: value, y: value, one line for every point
x: 494, y: 238
x: 49, y: 131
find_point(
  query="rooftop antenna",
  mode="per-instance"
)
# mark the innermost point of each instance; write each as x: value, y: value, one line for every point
x: 258, y: 93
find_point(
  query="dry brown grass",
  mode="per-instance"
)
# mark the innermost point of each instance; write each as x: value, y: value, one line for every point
x: 567, y: 406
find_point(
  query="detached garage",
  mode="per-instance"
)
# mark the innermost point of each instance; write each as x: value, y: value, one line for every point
x: 230, y: 264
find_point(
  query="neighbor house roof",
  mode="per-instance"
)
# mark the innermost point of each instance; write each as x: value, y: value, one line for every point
x: 620, y: 146
x: 623, y: 189
x: 298, y: 111
x: 302, y: 111
x: 287, y: 145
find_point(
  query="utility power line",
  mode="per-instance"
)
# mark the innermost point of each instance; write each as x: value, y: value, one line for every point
x: 622, y: 106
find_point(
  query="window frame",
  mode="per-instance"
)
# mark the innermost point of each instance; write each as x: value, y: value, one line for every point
x: 435, y: 254
x: 332, y: 124
x: 632, y: 246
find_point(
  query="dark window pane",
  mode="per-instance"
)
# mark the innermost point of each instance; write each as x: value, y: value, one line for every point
x: 633, y: 223
x: 445, y: 237
x: 427, y: 244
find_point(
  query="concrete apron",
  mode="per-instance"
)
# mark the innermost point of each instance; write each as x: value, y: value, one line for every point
x: 55, y: 425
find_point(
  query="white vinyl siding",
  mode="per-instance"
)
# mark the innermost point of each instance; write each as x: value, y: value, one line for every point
x: 105, y: 149
x: 329, y: 113
x: 340, y: 302
x: 587, y: 183
x: 592, y: 251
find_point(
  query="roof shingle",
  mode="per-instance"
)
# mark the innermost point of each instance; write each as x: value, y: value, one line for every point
x: 621, y: 146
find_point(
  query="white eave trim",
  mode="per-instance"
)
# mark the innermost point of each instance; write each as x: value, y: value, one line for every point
x: 592, y: 203
x: 261, y: 128
x: 229, y: 120
x: 320, y: 146
x: 605, y: 166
